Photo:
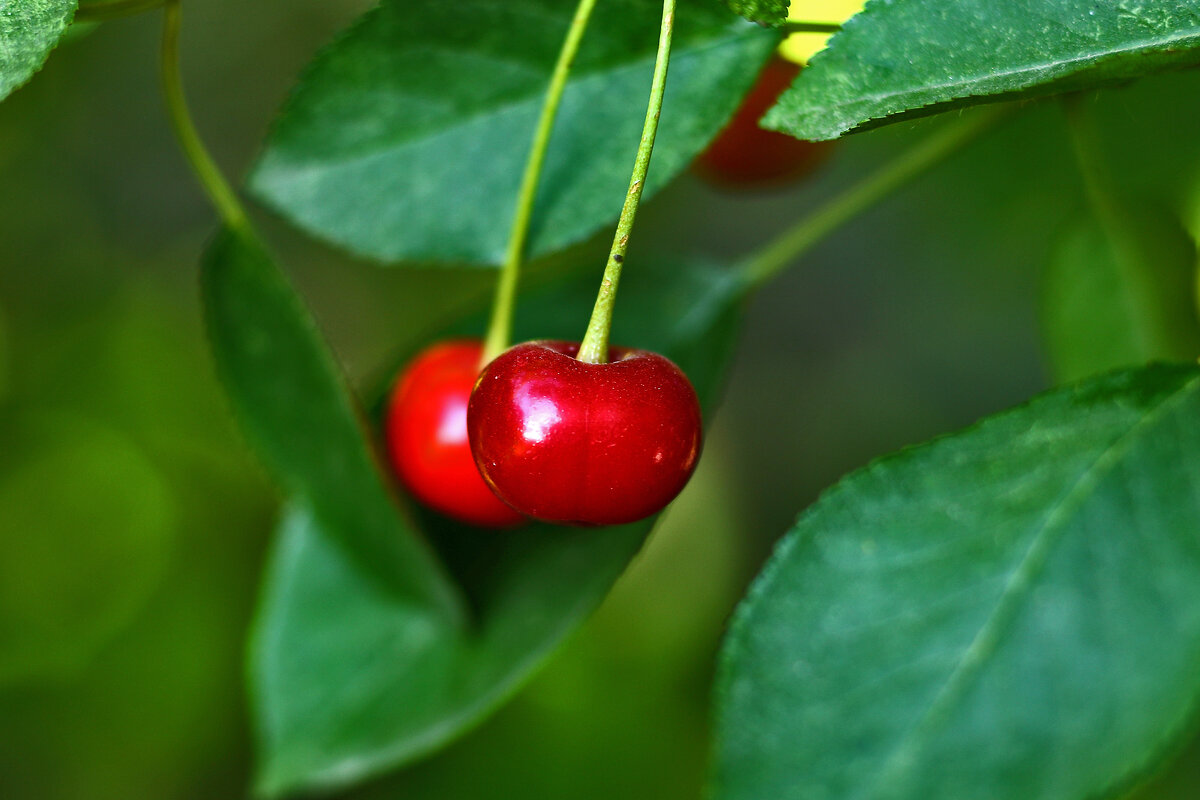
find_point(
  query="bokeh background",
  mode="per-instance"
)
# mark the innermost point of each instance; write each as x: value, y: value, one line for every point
x: 133, y: 522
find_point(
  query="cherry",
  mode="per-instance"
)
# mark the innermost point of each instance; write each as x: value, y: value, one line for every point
x: 427, y: 435
x: 745, y: 154
x: 566, y: 441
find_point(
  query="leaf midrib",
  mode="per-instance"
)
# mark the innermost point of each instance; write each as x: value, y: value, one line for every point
x: 988, y: 639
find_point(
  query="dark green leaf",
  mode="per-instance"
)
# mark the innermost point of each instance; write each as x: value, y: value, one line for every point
x: 1009, y: 613
x: 770, y: 12
x: 1120, y: 297
x: 407, y: 138
x: 348, y: 682
x: 29, y: 29
x: 292, y: 401
x: 896, y: 60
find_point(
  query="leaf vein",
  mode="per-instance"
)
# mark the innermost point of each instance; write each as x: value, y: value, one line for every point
x: 1031, y: 563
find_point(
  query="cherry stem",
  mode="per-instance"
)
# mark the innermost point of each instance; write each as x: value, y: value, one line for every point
x: 114, y: 9
x: 1114, y: 219
x: 500, y: 327
x: 810, y: 27
x: 780, y: 253
x: 594, y: 347
x: 223, y: 197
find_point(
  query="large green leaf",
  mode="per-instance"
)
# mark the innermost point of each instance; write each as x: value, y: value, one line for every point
x: 1009, y: 612
x: 29, y: 29
x: 407, y: 138
x: 292, y: 401
x: 347, y: 681
x: 902, y: 59
x: 1119, y: 297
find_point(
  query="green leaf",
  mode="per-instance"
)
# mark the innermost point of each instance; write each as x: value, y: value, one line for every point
x: 769, y: 12
x: 407, y: 137
x: 1120, y: 297
x: 896, y: 60
x: 293, y: 403
x: 29, y: 29
x: 347, y: 682
x: 1011, y: 612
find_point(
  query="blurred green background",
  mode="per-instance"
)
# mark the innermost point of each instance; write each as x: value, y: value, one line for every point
x: 133, y: 522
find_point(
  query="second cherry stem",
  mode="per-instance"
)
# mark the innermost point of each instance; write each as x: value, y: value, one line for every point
x: 500, y: 328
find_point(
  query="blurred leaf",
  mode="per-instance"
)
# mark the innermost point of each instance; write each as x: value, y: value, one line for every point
x: 769, y: 12
x: 349, y: 682
x: 1120, y: 297
x: 1009, y: 612
x: 407, y: 137
x: 159, y: 711
x: 899, y: 60
x: 292, y: 401
x: 29, y: 29
x: 73, y: 573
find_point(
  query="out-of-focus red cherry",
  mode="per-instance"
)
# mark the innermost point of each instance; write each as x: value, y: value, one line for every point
x: 571, y: 442
x: 745, y: 154
x: 427, y: 435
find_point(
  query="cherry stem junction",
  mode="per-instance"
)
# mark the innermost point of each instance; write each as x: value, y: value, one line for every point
x: 594, y: 347
x: 500, y: 327
x: 780, y: 253
x: 223, y: 197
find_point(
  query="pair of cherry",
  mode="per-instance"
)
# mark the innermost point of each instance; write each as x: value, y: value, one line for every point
x: 541, y: 434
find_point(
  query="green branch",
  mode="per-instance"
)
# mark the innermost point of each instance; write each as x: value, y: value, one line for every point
x: 210, y: 178
x: 780, y: 253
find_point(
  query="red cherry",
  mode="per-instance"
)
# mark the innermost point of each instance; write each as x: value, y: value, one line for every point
x: 585, y: 444
x: 743, y: 153
x: 427, y: 435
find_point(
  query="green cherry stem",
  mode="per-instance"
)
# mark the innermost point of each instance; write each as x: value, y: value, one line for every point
x: 780, y: 253
x: 810, y: 27
x: 500, y: 327
x: 594, y: 347
x: 223, y: 197
x: 114, y: 9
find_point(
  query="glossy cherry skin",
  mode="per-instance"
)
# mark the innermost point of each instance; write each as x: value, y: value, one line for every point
x: 584, y: 444
x: 427, y: 435
x: 744, y: 154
